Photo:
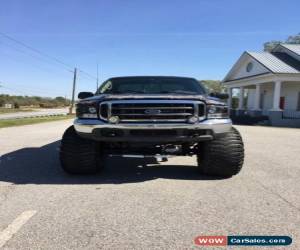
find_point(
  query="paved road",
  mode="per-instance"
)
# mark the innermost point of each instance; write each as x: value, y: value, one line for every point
x: 131, y: 206
x: 36, y: 113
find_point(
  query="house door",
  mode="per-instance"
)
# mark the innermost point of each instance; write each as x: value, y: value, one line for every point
x: 282, y: 102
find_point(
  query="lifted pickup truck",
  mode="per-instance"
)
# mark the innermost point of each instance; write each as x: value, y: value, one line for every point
x: 148, y: 117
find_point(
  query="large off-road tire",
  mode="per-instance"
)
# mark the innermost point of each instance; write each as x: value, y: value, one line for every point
x: 222, y: 156
x: 79, y: 155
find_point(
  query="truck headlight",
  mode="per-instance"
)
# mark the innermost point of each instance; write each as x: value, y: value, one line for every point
x: 86, y: 110
x: 217, y: 111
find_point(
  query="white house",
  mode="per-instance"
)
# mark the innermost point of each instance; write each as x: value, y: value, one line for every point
x: 270, y: 84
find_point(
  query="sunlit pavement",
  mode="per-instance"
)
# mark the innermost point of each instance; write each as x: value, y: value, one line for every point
x: 135, y: 204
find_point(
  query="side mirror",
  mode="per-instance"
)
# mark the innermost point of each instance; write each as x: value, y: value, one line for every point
x: 83, y: 95
x: 219, y: 95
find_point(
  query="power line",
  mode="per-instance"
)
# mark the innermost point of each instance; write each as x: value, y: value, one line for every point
x: 34, y: 56
x: 36, y: 50
x: 87, y: 74
x: 84, y: 75
x: 49, y: 57
x: 69, y: 67
x: 30, y: 64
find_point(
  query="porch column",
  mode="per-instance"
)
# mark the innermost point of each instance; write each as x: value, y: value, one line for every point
x: 276, y: 96
x: 241, y: 98
x: 229, y: 100
x: 257, y: 97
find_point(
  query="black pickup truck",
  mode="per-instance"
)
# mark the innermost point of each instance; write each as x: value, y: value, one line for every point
x: 152, y: 116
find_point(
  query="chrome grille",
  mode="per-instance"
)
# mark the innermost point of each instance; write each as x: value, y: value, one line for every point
x: 153, y: 111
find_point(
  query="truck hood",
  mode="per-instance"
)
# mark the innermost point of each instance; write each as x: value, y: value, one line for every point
x: 108, y: 97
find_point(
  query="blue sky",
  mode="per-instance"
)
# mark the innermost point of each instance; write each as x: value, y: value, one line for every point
x: 197, y: 38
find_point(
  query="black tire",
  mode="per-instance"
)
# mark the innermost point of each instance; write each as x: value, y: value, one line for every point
x: 79, y: 155
x: 222, y: 156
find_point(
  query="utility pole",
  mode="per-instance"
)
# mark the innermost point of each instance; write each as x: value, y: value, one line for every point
x: 97, y: 83
x: 73, y: 91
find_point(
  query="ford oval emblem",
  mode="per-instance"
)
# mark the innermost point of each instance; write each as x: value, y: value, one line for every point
x: 152, y: 111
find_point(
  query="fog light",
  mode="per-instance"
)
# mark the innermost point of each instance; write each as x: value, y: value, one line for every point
x: 92, y: 110
x: 193, y: 119
x: 114, y: 119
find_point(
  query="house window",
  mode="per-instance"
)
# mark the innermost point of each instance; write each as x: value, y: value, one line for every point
x: 249, y: 66
x: 298, y: 106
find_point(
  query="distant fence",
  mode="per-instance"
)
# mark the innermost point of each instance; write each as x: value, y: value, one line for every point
x: 290, y: 114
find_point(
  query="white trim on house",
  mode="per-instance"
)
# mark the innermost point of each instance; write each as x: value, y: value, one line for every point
x: 271, y: 82
x: 239, y: 71
x: 277, y: 82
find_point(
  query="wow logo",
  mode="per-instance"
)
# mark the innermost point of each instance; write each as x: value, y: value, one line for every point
x: 243, y: 240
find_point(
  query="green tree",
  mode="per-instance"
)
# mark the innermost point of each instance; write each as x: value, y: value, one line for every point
x: 269, y: 46
x: 293, y: 39
x: 60, y: 99
x: 16, y: 105
x: 213, y: 85
x: 235, y: 102
x: 33, y: 101
x: 2, y: 102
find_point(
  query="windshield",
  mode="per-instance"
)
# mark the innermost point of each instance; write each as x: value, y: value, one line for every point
x: 148, y: 85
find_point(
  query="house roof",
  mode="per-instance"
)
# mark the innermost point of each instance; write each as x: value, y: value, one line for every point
x: 273, y: 63
x: 288, y: 59
x: 283, y: 59
x: 292, y: 47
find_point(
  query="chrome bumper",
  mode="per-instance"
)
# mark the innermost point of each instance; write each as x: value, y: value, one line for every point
x: 218, y: 126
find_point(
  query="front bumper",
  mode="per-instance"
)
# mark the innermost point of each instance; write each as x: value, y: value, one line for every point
x: 205, y: 130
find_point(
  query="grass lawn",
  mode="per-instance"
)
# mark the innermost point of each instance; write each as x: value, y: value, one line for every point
x: 26, y: 121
